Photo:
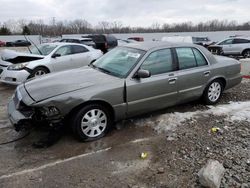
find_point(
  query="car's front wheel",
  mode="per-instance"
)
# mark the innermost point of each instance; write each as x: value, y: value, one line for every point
x: 91, y: 122
x: 246, y: 54
x: 39, y: 71
x: 213, y: 92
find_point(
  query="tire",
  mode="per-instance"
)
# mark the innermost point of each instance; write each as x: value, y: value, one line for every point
x: 39, y: 71
x: 246, y: 53
x: 213, y: 92
x: 87, y: 127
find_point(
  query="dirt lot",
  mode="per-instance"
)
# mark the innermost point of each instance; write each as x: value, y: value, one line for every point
x: 178, y: 142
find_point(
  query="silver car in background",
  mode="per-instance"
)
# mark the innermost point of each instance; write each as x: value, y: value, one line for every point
x: 127, y: 81
x: 16, y: 67
x: 235, y: 46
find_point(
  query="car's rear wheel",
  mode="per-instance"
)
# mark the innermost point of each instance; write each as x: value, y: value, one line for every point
x: 39, y: 71
x: 91, y: 122
x: 246, y: 54
x: 213, y: 92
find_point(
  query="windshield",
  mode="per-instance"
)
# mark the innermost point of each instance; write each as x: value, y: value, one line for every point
x: 44, y: 49
x: 119, y: 61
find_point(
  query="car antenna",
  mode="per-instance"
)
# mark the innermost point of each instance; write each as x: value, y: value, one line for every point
x: 34, y: 45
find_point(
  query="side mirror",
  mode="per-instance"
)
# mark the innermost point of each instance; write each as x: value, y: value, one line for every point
x: 141, y: 73
x: 56, y: 55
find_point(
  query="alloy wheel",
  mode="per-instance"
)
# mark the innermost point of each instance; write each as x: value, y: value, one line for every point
x: 94, y: 123
x: 214, y: 91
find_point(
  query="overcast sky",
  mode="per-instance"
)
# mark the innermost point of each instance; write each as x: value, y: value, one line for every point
x: 129, y: 12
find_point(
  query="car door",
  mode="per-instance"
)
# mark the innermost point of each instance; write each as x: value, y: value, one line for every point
x: 227, y: 46
x: 82, y: 56
x: 62, y: 58
x: 239, y: 45
x: 157, y: 91
x: 193, y: 74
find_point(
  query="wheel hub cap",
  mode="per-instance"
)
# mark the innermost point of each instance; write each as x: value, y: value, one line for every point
x: 94, y: 123
x: 214, y: 91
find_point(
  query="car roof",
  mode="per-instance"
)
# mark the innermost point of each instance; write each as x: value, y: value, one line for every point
x: 77, y: 38
x: 146, y: 46
x: 67, y: 43
x: 248, y: 38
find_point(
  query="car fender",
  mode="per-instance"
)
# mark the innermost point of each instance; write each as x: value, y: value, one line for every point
x: 40, y: 63
x: 214, y: 78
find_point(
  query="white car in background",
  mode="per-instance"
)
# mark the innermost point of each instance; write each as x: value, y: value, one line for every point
x: 235, y: 46
x: 16, y: 68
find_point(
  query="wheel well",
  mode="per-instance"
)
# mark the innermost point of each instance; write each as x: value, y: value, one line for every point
x: 103, y: 103
x: 43, y: 67
x: 245, y: 50
x: 223, y: 80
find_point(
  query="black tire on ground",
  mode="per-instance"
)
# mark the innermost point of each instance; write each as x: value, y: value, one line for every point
x: 213, y: 92
x: 79, y: 117
x: 38, y: 70
x: 246, y: 53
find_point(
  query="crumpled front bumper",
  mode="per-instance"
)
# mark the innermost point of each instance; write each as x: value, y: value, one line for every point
x: 17, y: 119
x: 13, y: 77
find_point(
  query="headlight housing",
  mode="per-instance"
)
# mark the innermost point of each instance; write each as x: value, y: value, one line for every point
x: 50, y: 111
x: 18, y: 66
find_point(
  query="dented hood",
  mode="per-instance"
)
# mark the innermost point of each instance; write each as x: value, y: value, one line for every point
x: 18, y: 57
x: 55, y: 84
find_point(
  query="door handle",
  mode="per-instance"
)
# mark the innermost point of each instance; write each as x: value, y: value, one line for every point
x: 207, y: 73
x: 172, y: 80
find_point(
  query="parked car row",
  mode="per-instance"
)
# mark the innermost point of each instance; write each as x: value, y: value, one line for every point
x: 103, y: 42
x: 233, y: 46
x: 92, y: 98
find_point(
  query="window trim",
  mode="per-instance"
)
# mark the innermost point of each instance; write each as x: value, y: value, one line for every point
x: 173, y: 62
x: 177, y: 59
x: 62, y: 47
x: 72, y: 48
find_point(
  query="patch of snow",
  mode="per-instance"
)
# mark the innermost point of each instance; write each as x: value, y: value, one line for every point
x: 234, y: 111
x: 166, y: 122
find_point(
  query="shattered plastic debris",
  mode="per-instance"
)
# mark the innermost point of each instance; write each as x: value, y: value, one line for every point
x: 216, y: 130
x: 144, y: 155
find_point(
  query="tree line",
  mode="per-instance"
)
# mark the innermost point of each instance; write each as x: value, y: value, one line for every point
x: 81, y: 26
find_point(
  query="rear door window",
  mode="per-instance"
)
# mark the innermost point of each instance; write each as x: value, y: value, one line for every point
x: 159, y: 62
x: 200, y: 59
x: 241, y: 41
x: 79, y: 49
x: 186, y: 58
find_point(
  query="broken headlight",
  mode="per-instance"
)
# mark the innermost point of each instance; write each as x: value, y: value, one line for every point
x: 18, y: 66
x: 50, y: 111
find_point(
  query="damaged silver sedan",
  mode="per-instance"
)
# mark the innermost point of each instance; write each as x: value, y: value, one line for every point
x: 127, y: 81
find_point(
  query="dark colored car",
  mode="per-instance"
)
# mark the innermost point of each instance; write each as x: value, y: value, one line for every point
x: 103, y: 42
x: 203, y: 41
x: 86, y: 41
x: 138, y: 39
x: 18, y: 43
